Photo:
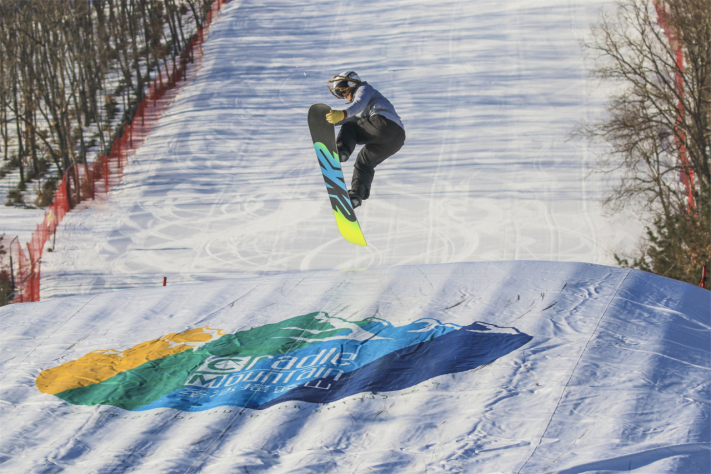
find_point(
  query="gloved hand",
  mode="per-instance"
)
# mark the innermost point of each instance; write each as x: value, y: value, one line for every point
x: 335, y: 116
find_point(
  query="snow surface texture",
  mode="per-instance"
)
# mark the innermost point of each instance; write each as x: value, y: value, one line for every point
x: 18, y: 221
x: 615, y: 377
x: 228, y: 183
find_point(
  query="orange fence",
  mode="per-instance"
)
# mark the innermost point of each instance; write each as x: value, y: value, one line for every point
x: 687, y: 174
x: 84, y: 182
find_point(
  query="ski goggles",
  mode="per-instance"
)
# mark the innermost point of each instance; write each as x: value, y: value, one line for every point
x: 339, y: 89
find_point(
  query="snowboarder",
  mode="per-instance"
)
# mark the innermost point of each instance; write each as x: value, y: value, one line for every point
x: 369, y: 119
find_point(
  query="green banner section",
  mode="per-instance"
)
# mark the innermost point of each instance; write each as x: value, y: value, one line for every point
x: 154, y: 379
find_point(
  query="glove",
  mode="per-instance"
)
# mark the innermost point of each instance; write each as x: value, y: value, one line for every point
x: 335, y: 116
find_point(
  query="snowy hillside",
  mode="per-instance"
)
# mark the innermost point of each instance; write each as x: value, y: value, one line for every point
x: 482, y: 367
x: 479, y: 331
x: 228, y: 184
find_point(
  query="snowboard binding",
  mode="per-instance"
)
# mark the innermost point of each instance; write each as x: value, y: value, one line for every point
x: 356, y: 200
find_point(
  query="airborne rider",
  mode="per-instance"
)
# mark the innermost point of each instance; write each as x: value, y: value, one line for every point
x: 369, y: 119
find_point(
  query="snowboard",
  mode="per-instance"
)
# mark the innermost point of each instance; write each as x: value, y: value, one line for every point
x: 324, y: 138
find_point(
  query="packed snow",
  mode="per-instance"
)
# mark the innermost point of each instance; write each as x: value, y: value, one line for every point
x: 481, y: 330
x: 228, y: 184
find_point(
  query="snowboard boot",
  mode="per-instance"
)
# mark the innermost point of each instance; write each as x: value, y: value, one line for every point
x: 356, y: 200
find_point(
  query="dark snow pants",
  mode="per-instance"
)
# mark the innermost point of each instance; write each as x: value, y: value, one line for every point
x: 382, y: 139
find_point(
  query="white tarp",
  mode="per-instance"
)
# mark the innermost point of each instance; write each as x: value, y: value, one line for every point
x: 614, y: 375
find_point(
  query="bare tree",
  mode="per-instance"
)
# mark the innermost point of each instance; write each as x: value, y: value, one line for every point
x: 658, y: 127
x: 60, y: 60
x: 7, y: 286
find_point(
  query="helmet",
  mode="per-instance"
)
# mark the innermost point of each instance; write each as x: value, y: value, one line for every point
x: 342, y: 82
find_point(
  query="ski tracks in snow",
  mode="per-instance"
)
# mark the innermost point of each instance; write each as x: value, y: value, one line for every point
x: 228, y: 183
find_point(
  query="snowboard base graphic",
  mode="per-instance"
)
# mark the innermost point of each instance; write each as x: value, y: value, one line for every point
x: 324, y: 138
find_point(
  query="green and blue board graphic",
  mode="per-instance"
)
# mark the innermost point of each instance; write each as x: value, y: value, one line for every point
x: 314, y: 358
x: 323, y: 136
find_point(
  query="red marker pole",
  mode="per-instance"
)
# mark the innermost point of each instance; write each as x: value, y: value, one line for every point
x: 165, y: 280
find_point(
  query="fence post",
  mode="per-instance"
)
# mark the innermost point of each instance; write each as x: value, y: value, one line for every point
x: 68, y: 189
x: 77, y: 183
x: 12, y: 270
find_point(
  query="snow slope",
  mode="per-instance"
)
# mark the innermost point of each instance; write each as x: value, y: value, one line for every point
x: 466, y: 337
x: 611, y: 373
x: 228, y: 184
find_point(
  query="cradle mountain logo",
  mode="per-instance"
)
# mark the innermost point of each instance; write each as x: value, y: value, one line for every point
x: 314, y: 358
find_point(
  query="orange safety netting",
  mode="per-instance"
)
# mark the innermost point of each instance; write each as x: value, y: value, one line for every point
x: 687, y: 174
x: 83, y: 182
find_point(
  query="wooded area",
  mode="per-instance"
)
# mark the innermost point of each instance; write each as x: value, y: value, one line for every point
x: 658, y: 128
x: 72, y: 74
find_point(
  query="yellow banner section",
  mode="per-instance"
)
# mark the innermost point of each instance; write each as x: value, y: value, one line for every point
x: 101, y: 365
